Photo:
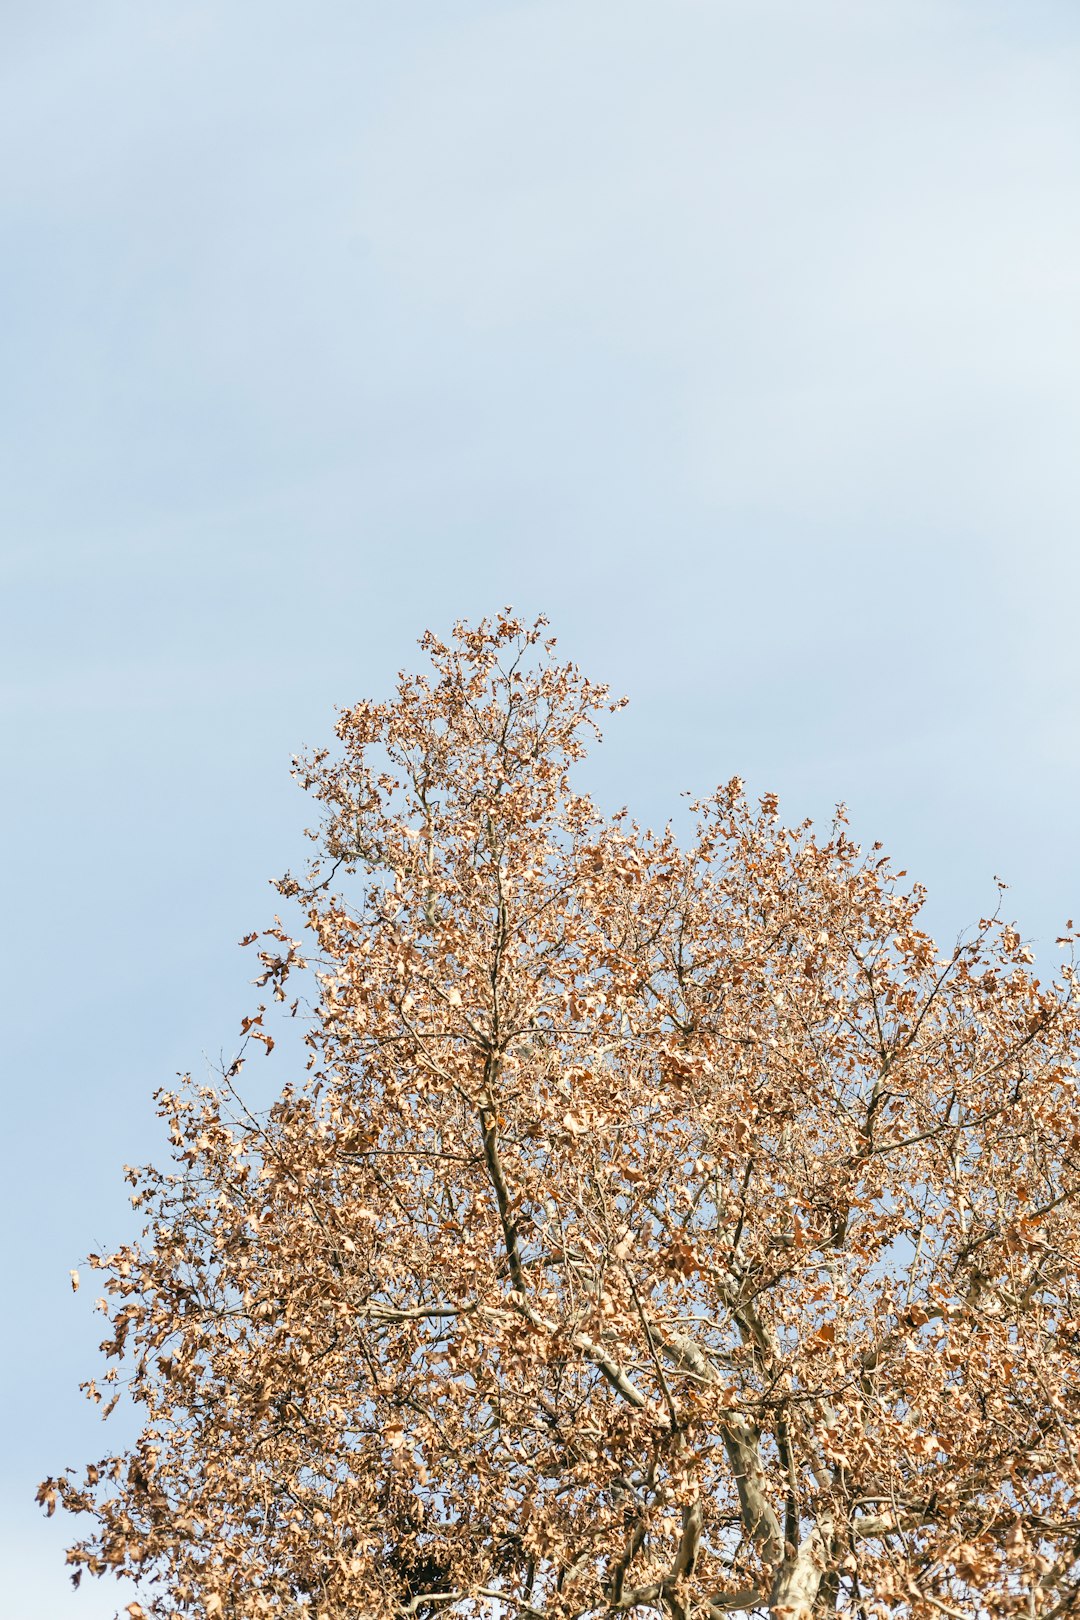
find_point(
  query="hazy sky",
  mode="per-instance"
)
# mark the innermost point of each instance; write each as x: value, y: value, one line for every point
x: 742, y: 339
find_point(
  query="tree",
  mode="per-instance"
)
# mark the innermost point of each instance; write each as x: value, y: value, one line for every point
x: 655, y: 1230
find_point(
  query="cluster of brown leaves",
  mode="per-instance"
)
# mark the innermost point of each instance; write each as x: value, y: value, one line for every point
x: 656, y: 1229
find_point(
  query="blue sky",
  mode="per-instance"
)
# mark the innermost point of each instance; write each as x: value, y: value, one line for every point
x: 742, y: 339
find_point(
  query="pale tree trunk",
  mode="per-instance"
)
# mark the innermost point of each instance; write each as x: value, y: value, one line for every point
x: 798, y: 1579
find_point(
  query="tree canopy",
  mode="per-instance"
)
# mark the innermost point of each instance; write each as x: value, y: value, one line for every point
x: 658, y: 1227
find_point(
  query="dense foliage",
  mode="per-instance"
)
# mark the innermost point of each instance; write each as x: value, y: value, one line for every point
x: 656, y: 1229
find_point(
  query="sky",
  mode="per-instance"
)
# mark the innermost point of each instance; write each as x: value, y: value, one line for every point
x: 741, y: 338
